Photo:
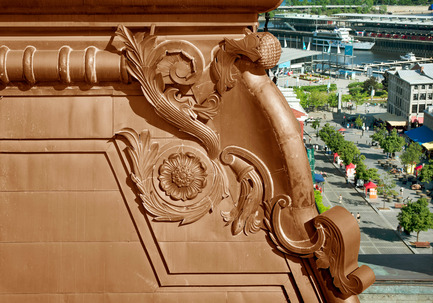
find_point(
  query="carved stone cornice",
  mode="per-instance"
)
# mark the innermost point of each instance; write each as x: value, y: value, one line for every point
x: 141, y: 7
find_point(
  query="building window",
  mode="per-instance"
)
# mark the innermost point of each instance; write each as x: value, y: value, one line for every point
x: 422, y: 97
x: 415, y: 109
x: 415, y: 96
x: 430, y: 96
x: 423, y: 86
x: 415, y: 87
x: 430, y: 86
x: 421, y: 108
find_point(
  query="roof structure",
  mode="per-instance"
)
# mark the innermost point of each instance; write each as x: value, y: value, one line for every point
x: 370, y: 185
x: 419, y: 74
x: 392, y: 119
x: 289, y: 54
x: 413, y: 77
x: 420, y: 135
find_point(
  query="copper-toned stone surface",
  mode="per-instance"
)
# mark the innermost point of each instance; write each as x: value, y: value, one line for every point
x: 145, y: 156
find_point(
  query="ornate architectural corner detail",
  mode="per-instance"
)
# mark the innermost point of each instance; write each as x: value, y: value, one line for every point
x: 339, y: 253
x: 275, y: 211
x: 255, y: 187
x: 176, y: 183
x: 169, y: 73
x: 335, y: 244
x: 260, y: 47
x: 182, y: 176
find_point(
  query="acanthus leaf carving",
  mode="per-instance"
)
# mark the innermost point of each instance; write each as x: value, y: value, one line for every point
x: 255, y: 187
x: 169, y: 65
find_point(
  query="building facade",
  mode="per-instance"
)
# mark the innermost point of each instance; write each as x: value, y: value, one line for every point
x: 410, y: 92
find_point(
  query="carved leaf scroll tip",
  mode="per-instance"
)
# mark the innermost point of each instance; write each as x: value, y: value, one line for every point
x: 263, y: 48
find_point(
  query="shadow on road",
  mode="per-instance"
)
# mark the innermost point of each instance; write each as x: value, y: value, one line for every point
x: 401, y: 267
x: 380, y: 233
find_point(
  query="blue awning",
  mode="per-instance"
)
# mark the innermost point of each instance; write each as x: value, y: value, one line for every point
x: 319, y: 178
x: 420, y: 135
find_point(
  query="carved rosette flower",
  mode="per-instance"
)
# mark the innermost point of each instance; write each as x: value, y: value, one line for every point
x: 182, y: 176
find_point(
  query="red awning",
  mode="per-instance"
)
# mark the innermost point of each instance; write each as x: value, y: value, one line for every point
x: 418, y: 167
x: 370, y: 185
x: 351, y: 165
x: 342, y: 130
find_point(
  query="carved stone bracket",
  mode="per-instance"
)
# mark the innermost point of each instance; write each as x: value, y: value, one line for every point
x: 179, y: 188
x: 335, y: 245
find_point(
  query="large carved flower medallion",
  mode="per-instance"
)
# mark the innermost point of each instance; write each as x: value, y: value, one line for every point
x: 182, y: 176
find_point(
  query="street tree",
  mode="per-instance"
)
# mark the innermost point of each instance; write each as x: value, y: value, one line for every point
x: 316, y: 125
x: 386, y: 186
x: 359, y: 121
x: 333, y: 100
x: 370, y: 84
x: 358, y: 98
x: 326, y: 132
x: 416, y: 216
x: 317, y: 98
x: 380, y: 134
x: 348, y: 152
x: 365, y: 173
x: 331, y: 137
x: 412, y: 154
x: 426, y: 173
x: 392, y: 143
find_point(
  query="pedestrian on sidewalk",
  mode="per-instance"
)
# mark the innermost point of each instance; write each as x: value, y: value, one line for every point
x: 399, y: 228
x: 340, y: 198
x: 358, y: 217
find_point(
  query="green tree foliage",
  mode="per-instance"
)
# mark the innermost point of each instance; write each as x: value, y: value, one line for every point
x: 333, y: 100
x: 380, y: 134
x: 426, y: 173
x: 331, y: 137
x: 393, y: 143
x: 359, y: 121
x: 369, y: 84
x: 319, y: 202
x: 317, y: 99
x: 316, y: 125
x: 416, y: 216
x: 412, y: 154
x: 348, y: 152
x: 314, y: 95
x: 366, y: 174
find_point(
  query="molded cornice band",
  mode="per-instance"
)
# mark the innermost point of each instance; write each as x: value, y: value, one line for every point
x: 64, y: 65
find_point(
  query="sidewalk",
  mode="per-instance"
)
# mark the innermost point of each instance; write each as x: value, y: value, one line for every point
x: 379, y: 237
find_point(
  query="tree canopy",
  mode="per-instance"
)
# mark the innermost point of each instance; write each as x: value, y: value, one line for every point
x: 416, y: 216
x: 380, y: 134
x: 392, y: 143
x: 370, y: 83
x: 426, y: 173
x: 316, y: 125
x: 412, y: 154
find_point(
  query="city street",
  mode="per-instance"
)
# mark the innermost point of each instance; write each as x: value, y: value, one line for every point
x: 379, y: 235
